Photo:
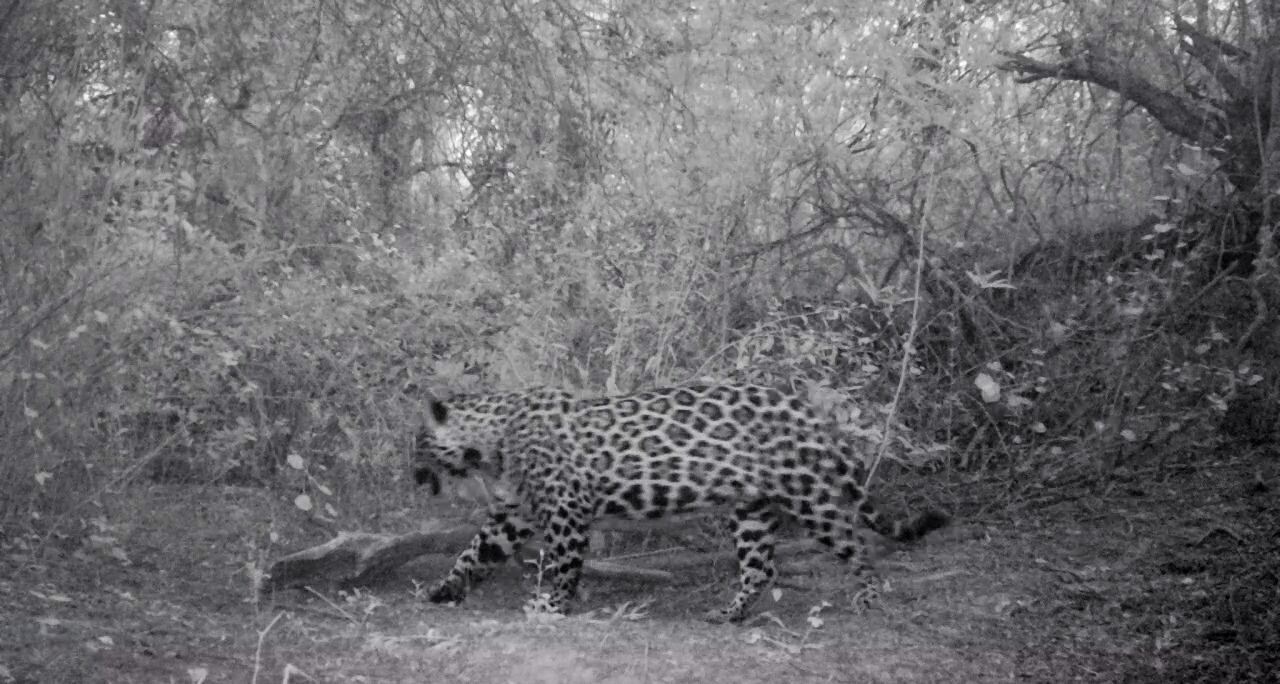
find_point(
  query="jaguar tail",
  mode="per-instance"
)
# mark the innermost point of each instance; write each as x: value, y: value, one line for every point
x: 902, y: 529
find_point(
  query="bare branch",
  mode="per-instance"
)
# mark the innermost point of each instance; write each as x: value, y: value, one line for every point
x: 1212, y: 53
x: 1177, y: 114
x: 1221, y: 46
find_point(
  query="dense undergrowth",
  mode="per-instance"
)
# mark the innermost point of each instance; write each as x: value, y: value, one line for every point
x: 230, y: 256
x: 216, y: 366
x: 209, y: 267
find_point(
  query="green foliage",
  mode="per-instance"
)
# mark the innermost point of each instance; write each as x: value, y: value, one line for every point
x: 238, y: 235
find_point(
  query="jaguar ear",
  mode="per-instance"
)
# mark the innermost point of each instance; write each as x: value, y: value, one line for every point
x: 439, y: 412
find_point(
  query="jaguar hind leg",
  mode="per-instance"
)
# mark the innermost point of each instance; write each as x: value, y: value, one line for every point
x: 826, y: 519
x: 753, y: 535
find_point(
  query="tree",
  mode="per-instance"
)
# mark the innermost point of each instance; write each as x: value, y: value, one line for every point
x: 1219, y: 88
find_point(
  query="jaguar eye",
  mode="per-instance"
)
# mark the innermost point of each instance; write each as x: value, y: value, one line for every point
x: 423, y: 443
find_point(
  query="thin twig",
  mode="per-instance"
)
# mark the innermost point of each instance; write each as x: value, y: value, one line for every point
x: 257, y: 653
x: 86, y: 501
x: 333, y: 605
x: 908, y: 347
x: 1219, y: 527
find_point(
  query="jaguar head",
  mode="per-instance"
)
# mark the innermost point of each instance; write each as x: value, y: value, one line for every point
x: 460, y: 438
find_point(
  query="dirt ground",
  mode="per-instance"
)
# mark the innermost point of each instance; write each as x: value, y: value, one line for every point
x: 1169, y: 574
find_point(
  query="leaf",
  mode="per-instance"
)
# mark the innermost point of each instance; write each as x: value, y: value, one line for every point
x: 1185, y: 170
x: 776, y: 594
x: 198, y: 674
x: 989, y: 281
x: 989, y: 388
x: 43, y: 477
x: 30, y: 412
x: 295, y: 461
x: 1017, y: 402
x: 303, y: 502
x: 100, y: 317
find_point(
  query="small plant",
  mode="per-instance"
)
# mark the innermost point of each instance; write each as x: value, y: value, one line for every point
x: 538, y: 608
x: 790, y: 642
x: 867, y: 595
x: 419, y: 589
x: 628, y: 611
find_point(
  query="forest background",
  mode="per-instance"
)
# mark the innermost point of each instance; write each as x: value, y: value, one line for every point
x: 1029, y: 245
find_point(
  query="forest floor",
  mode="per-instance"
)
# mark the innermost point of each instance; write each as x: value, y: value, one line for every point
x: 1170, y: 574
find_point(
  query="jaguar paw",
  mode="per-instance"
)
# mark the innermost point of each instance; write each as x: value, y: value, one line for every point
x: 447, y: 591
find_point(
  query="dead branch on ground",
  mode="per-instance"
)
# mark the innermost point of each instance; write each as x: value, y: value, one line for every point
x: 354, y: 559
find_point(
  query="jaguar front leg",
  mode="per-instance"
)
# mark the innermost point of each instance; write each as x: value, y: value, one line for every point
x: 499, y: 539
x: 565, y: 520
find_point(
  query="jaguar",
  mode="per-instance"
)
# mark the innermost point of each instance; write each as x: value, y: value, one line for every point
x: 559, y: 463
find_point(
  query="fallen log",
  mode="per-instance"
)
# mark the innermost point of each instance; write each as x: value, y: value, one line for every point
x: 359, y: 558
x: 353, y: 559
